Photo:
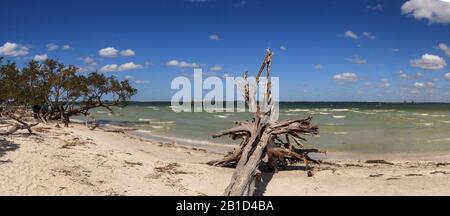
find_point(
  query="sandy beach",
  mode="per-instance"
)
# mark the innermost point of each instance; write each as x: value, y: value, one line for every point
x: 78, y: 161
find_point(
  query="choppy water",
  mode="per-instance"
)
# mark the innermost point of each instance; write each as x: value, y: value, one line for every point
x: 351, y: 127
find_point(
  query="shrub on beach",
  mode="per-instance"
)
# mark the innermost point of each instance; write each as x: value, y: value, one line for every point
x: 59, y: 91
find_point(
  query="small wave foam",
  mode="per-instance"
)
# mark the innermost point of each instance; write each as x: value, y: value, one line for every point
x: 421, y: 114
x: 339, y: 117
x: 340, y: 133
x: 144, y: 120
x: 298, y: 110
x: 162, y: 122
x: 221, y: 116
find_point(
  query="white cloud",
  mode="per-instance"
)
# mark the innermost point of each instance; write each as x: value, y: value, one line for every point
x: 129, y: 66
x: 215, y: 37
x: 109, y: 68
x: 41, y: 57
x: 127, y: 52
x: 377, y: 7
x: 283, y: 48
x: 66, y: 47
x: 403, y: 75
x: 396, y: 50
x: 444, y: 48
x: 345, y: 77
x: 356, y: 59
x: 13, y: 49
x: 418, y: 75
x: 447, y: 76
x: 435, y: 11
x: 318, y: 66
x: 351, y: 35
x: 108, y: 52
x: 148, y: 63
x: 430, y: 62
x: 181, y: 64
x: 52, y: 47
x: 369, y: 35
x: 88, y: 60
x: 216, y: 68
x: 419, y: 84
x: 142, y: 81
x: 424, y: 85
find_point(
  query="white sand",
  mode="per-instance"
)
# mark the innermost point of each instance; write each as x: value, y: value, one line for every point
x: 77, y: 161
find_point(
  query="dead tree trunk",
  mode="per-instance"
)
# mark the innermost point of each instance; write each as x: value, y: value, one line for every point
x: 262, y: 137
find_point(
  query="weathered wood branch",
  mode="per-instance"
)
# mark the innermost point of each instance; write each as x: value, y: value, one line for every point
x: 263, y: 138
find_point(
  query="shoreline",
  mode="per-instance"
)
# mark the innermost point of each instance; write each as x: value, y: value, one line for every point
x: 78, y: 161
x: 221, y: 148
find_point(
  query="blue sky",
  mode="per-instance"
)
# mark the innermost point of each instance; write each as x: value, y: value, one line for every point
x: 325, y: 50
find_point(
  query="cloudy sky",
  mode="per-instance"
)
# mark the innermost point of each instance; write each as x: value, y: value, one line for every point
x: 325, y: 50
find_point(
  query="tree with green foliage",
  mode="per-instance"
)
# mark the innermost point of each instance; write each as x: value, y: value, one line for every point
x: 60, y: 89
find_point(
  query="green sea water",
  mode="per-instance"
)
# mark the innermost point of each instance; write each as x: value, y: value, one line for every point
x: 347, y: 127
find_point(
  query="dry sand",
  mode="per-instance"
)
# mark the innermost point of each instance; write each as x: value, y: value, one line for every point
x: 77, y: 161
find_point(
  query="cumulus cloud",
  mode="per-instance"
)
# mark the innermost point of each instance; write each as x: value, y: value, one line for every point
x: 127, y: 52
x: 13, y: 49
x: 351, y: 34
x: 216, y: 68
x: 444, y: 48
x: 348, y: 76
x: 369, y: 35
x: 424, y: 84
x: 88, y: 60
x: 215, y: 37
x: 52, y: 47
x: 109, y: 68
x: 435, y: 11
x: 447, y: 76
x: 181, y: 64
x: 122, y: 67
x: 403, y: 75
x: 41, y: 57
x: 376, y: 7
x: 283, y: 48
x: 419, y: 75
x: 108, y: 52
x: 66, y: 47
x: 429, y: 62
x: 129, y: 66
x: 356, y: 59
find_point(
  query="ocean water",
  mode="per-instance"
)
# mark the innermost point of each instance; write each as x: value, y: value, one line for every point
x: 344, y: 127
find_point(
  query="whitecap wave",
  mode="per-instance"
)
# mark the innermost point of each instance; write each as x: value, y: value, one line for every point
x: 339, y: 117
x: 298, y: 110
x: 144, y: 120
x: 221, y: 116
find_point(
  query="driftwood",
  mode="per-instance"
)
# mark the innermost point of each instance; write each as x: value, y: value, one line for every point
x: 19, y: 125
x: 265, y: 142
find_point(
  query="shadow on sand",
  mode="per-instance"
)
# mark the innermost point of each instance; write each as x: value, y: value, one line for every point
x: 266, y: 176
x: 6, y: 146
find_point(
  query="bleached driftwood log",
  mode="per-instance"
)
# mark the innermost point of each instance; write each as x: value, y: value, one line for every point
x: 263, y: 139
